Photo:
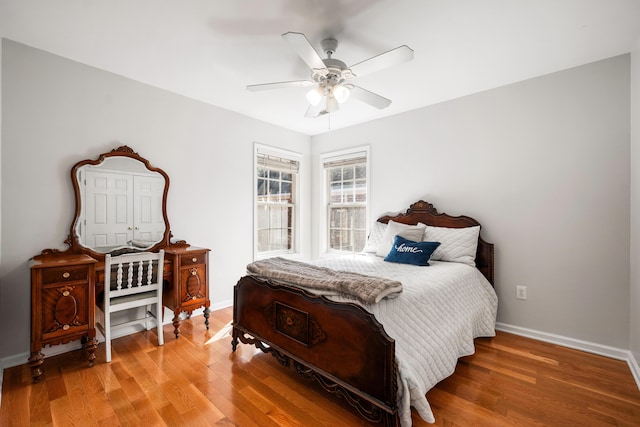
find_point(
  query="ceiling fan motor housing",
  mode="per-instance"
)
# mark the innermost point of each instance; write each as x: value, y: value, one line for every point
x: 335, y: 70
x: 329, y: 46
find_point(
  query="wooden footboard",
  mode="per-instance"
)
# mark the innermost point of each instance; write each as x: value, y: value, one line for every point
x: 340, y: 345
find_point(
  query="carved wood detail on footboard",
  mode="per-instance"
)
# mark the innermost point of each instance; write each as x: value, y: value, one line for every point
x: 339, y: 345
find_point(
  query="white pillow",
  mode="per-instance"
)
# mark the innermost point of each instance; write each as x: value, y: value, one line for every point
x: 375, y: 237
x: 411, y: 232
x: 456, y: 244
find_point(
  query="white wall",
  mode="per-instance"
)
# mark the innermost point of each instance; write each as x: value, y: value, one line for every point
x: 57, y: 112
x: 0, y: 160
x: 634, y: 340
x: 1, y: 364
x: 544, y: 166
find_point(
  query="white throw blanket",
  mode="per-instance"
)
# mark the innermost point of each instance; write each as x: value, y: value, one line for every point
x: 434, y: 321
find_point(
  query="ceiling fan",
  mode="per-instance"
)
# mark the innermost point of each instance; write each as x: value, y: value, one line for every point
x: 331, y: 76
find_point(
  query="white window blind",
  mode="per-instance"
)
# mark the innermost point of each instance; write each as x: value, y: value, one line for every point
x: 345, y: 160
x: 277, y: 163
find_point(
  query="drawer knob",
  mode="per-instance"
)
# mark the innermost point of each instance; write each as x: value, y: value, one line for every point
x: 65, y: 294
x: 66, y: 274
x: 194, y: 259
x: 194, y: 272
x: 193, y: 297
x: 65, y: 327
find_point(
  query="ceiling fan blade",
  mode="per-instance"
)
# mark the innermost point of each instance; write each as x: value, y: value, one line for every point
x: 370, y: 98
x: 315, y: 111
x: 302, y: 46
x: 280, y: 85
x: 384, y: 60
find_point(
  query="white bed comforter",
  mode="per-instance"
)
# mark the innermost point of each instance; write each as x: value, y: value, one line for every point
x: 434, y: 321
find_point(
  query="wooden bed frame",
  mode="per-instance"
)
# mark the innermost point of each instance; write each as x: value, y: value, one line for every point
x: 339, y: 345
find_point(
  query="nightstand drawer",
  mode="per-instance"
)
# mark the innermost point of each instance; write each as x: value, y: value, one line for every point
x: 65, y: 274
x: 192, y: 259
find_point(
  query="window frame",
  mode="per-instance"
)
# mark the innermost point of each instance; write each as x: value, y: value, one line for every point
x: 324, y: 188
x: 261, y: 149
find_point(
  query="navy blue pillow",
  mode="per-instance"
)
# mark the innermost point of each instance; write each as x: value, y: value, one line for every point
x: 407, y: 251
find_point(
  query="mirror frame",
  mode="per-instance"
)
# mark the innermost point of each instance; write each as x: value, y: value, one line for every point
x: 73, y: 240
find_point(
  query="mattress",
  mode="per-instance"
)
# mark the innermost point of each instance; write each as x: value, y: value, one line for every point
x: 433, y: 321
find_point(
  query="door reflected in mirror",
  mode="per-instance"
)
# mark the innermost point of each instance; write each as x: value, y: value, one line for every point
x: 121, y: 205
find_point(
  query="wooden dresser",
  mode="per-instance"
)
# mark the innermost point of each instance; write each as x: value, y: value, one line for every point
x: 120, y: 206
x: 64, y: 290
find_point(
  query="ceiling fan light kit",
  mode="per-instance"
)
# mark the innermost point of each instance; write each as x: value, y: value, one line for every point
x: 341, y: 93
x: 315, y: 95
x: 332, y: 104
x: 330, y: 75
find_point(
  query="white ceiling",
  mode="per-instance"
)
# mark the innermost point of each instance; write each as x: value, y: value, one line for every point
x: 210, y: 50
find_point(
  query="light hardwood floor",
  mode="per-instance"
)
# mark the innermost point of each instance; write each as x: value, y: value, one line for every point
x: 195, y: 381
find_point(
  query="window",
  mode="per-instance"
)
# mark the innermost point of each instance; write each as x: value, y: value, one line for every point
x: 346, y: 187
x: 276, y: 184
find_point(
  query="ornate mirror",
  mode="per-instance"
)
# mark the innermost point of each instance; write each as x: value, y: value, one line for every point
x: 120, y: 204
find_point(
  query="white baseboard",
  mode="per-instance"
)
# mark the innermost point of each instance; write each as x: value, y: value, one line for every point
x: 14, y: 360
x: 602, y: 350
x: 222, y: 304
x: 589, y: 347
x: 635, y: 368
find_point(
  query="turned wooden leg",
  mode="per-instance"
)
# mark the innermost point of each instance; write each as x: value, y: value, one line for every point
x: 176, y: 323
x: 90, y: 346
x: 36, y: 360
x: 207, y: 313
x: 234, y: 340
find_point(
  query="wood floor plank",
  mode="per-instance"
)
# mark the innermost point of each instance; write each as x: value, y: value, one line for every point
x: 156, y: 398
x: 197, y: 380
x: 102, y: 408
x: 55, y: 387
x: 463, y: 412
x: 123, y: 408
x: 271, y: 409
x: 170, y: 415
x: 18, y: 399
x: 65, y: 412
x: 308, y: 399
x: 39, y: 405
x: 107, y: 377
x: 227, y: 407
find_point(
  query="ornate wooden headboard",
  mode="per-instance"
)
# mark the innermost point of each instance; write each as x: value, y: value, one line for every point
x: 425, y: 213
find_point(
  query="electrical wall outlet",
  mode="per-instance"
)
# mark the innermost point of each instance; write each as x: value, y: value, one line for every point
x: 521, y: 292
